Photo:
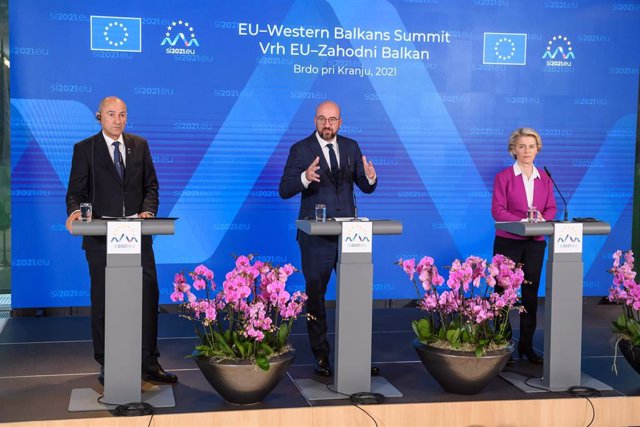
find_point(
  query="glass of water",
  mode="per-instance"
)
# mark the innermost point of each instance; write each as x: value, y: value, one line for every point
x: 321, y: 212
x: 532, y: 214
x: 85, y: 212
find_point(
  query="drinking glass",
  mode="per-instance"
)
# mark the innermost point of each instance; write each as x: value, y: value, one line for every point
x: 85, y: 212
x: 321, y: 212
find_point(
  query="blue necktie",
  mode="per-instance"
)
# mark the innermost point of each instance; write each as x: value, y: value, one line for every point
x: 117, y: 159
x: 333, y: 161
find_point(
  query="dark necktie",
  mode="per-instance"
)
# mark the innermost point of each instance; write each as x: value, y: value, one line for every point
x: 333, y: 161
x: 117, y: 159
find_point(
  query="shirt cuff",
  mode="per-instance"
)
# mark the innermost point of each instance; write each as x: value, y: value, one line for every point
x: 305, y: 181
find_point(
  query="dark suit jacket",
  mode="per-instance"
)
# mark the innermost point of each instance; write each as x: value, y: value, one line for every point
x: 94, y: 179
x: 338, y: 197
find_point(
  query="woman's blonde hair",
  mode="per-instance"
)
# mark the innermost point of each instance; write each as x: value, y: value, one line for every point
x: 513, y: 139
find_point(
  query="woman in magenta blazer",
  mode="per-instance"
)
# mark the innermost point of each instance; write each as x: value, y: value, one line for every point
x: 515, y: 190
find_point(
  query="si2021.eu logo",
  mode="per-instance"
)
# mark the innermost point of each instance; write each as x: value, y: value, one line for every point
x: 180, y: 38
x: 559, y: 52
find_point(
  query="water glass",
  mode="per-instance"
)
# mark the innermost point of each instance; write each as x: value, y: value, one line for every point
x: 532, y: 214
x: 321, y: 212
x: 85, y: 212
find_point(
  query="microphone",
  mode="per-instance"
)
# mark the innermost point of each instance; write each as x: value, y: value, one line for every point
x: 355, y: 202
x: 124, y: 212
x: 355, y: 207
x: 121, y: 162
x: 566, y: 207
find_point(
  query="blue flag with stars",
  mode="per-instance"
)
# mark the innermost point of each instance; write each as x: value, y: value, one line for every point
x: 504, y: 49
x: 116, y: 33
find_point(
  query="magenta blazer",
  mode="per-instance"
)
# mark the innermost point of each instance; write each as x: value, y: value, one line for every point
x: 509, y: 201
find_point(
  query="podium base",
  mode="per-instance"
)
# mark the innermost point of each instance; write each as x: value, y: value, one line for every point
x: 315, y: 390
x: 86, y: 399
x: 534, y: 385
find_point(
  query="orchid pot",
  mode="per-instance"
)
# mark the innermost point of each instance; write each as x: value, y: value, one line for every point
x: 242, y: 327
x: 466, y: 318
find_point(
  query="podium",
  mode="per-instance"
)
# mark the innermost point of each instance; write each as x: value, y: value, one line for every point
x: 562, y: 306
x: 354, y: 304
x: 123, y: 316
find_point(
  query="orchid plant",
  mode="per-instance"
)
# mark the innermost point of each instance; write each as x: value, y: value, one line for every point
x: 626, y: 291
x: 467, y: 313
x: 250, y: 317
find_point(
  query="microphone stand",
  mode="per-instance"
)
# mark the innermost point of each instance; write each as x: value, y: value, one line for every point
x: 124, y: 211
x: 355, y: 207
x: 355, y: 202
x: 566, y: 206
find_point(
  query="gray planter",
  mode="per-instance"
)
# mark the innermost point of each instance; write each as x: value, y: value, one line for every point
x: 461, y: 372
x: 630, y: 353
x: 240, y: 381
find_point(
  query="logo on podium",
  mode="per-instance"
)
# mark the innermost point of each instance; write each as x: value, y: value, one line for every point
x: 123, y: 237
x: 357, y: 236
x: 567, y: 238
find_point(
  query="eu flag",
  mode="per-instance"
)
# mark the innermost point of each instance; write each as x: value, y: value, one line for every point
x: 116, y: 33
x: 504, y: 49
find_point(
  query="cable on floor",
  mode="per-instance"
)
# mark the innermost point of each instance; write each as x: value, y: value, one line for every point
x: 362, y: 398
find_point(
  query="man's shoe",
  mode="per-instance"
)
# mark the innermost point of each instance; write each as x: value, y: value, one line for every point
x: 157, y: 374
x: 101, y: 375
x: 322, y: 367
x: 531, y: 355
x: 375, y: 370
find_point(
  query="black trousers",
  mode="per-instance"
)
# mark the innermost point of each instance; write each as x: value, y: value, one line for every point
x: 529, y: 253
x: 97, y: 262
x: 319, y: 258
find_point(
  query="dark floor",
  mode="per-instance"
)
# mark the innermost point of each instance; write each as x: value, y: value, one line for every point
x: 43, y: 358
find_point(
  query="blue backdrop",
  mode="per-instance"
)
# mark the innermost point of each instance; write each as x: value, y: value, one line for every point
x: 430, y: 88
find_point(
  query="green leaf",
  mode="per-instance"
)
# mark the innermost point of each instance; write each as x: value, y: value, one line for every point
x: 202, y: 350
x: 479, y: 351
x: 223, y: 344
x: 283, y: 334
x: 265, y: 350
x: 206, y: 351
x: 453, y: 336
x: 422, y: 329
x: 621, y: 322
x: 634, y: 327
x: 241, y: 348
x: 263, y: 363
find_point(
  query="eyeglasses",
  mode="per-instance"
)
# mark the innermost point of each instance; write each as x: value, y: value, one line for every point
x: 332, y: 120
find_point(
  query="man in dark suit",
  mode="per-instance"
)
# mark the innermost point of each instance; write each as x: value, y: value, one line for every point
x: 323, y: 168
x: 114, y: 171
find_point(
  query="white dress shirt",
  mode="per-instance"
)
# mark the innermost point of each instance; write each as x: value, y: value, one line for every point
x: 528, y: 182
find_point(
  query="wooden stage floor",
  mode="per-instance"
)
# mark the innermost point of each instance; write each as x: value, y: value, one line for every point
x: 42, y: 359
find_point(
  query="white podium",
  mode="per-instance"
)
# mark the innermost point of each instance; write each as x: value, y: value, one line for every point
x: 354, y: 304
x: 123, y: 324
x: 562, y: 307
